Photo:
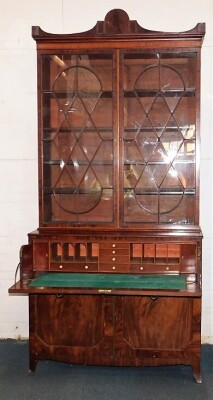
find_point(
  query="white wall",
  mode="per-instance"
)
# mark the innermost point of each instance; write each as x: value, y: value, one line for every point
x: 18, y: 125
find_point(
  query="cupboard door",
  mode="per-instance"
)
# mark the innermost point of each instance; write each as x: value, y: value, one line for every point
x: 159, y: 139
x: 71, y: 328
x: 78, y: 147
x: 157, y: 323
x: 156, y: 330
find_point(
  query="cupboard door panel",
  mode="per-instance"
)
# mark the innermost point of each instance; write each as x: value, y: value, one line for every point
x: 70, y: 320
x: 157, y: 323
x: 41, y: 256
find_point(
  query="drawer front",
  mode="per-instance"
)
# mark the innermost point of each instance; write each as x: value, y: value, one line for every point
x: 113, y: 245
x: 74, y: 267
x: 113, y: 258
x: 113, y: 267
x: 113, y: 252
x: 155, y: 269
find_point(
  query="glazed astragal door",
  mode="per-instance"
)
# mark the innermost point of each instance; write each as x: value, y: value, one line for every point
x: 159, y: 142
x: 77, y: 139
x: 153, y: 102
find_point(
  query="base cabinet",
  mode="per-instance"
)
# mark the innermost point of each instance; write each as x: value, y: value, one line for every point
x: 115, y: 330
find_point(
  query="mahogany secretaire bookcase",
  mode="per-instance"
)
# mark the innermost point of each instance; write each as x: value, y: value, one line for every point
x: 113, y: 272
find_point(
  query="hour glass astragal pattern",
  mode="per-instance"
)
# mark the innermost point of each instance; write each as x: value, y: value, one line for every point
x: 159, y: 146
x: 79, y: 150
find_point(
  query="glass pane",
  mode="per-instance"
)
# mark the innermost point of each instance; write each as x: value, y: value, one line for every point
x: 159, y: 120
x: 171, y: 207
x: 140, y: 209
x: 78, y: 145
